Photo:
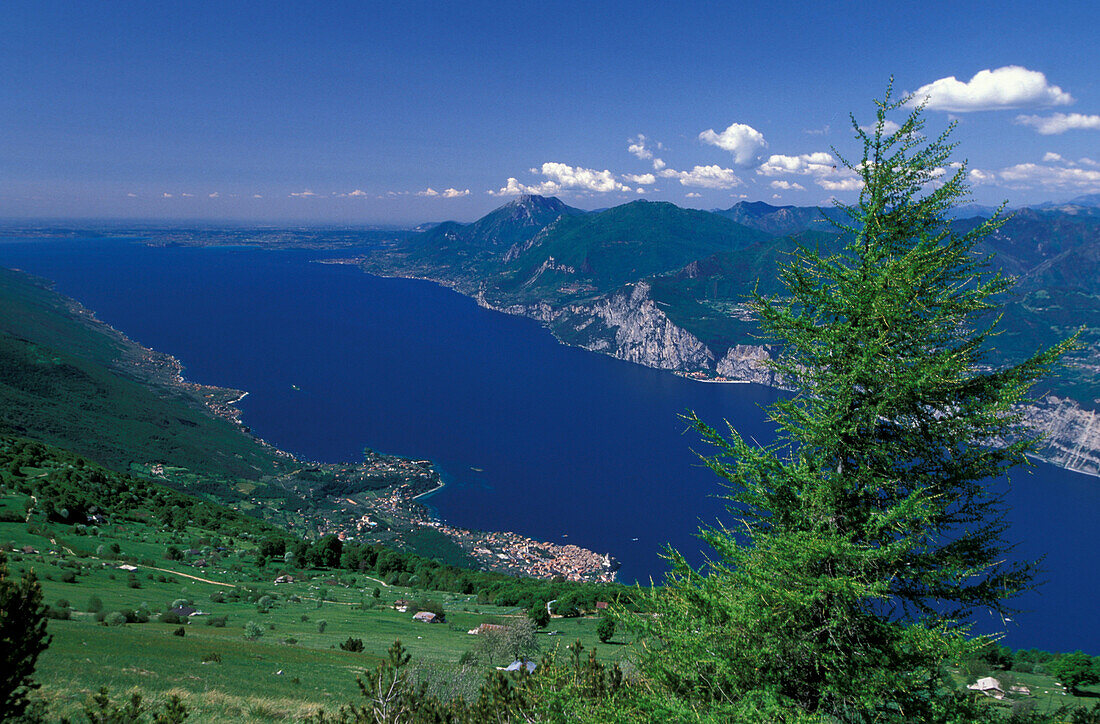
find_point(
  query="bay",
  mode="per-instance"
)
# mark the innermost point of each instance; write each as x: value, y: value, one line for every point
x: 532, y: 436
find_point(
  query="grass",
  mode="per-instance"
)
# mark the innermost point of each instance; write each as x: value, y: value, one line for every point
x: 246, y: 684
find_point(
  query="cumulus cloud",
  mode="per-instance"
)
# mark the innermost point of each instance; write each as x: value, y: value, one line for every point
x: 820, y: 166
x: 302, y: 194
x: 213, y: 195
x: 428, y: 192
x: 1029, y: 175
x: 888, y: 127
x: 1012, y: 86
x: 693, y: 195
x: 803, y: 164
x: 646, y: 179
x: 455, y: 193
x: 637, y: 146
x: 166, y: 195
x: 1050, y: 157
x: 186, y: 195
x: 658, y: 164
x: 358, y: 193
x: 563, y: 177
x: 787, y: 186
x: 978, y: 176
x: 708, y: 177
x: 743, y: 141
x: 1060, y: 123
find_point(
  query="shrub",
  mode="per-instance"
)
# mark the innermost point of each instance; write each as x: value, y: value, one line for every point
x: 179, y: 602
x: 290, y: 641
x: 321, y: 626
x: 212, y: 657
x: 95, y: 604
x: 218, y: 597
x: 253, y: 631
x: 264, y: 604
x: 351, y: 644
x: 217, y: 621
x: 605, y: 629
x: 170, y: 617
x: 115, y: 618
x: 67, y: 577
x: 181, y: 631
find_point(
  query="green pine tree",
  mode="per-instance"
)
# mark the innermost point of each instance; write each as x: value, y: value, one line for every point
x: 865, y: 535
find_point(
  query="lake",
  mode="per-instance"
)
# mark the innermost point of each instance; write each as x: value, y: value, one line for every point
x: 532, y: 436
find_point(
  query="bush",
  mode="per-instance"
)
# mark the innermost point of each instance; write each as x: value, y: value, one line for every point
x: 95, y: 605
x: 181, y: 631
x: 170, y: 617
x: 605, y: 629
x: 321, y: 626
x: 67, y: 577
x: 212, y: 657
x: 351, y: 644
x: 253, y: 631
x: 218, y: 597
x: 217, y: 621
x: 264, y: 604
x: 115, y: 618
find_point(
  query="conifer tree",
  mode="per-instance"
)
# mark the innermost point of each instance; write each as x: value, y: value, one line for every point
x: 867, y: 532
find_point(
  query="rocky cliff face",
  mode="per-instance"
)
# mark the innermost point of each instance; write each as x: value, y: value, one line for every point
x: 1073, y: 434
x: 629, y: 325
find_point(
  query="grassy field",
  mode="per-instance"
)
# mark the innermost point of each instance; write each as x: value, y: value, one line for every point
x: 295, y: 667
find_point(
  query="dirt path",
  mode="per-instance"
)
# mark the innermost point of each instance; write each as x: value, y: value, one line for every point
x: 188, y: 575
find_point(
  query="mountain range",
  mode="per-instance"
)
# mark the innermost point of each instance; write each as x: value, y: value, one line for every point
x: 667, y: 287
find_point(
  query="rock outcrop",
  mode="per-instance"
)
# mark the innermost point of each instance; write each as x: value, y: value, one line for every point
x: 1073, y: 434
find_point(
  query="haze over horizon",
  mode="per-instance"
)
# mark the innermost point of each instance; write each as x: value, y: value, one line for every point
x: 372, y: 113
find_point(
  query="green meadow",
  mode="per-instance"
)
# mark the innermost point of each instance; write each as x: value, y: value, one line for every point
x: 293, y: 668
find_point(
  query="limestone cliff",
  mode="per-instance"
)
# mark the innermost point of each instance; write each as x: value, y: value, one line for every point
x: 1073, y: 434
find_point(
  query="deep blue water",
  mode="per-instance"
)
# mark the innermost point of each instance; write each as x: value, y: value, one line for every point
x: 574, y: 447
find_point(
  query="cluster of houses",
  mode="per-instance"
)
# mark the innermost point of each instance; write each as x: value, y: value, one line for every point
x: 992, y: 687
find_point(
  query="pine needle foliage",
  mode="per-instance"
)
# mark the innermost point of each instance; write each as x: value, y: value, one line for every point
x: 867, y: 532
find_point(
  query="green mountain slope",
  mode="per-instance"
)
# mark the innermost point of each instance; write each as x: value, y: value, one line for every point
x: 70, y: 381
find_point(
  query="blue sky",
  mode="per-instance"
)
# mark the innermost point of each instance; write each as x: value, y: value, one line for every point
x: 405, y: 112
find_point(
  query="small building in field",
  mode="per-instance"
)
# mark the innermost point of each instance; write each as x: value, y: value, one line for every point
x: 285, y: 579
x: 426, y: 617
x: 401, y: 605
x: 485, y: 628
x: 988, y: 686
x: 184, y: 611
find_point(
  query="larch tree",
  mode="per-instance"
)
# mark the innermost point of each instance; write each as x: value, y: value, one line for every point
x: 865, y: 535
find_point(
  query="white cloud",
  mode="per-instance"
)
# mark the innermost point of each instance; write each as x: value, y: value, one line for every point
x: 821, y: 166
x: 817, y: 131
x: 787, y: 186
x: 428, y: 192
x: 693, y: 195
x: 132, y: 195
x: 358, y: 193
x: 186, y: 195
x: 803, y: 164
x: 455, y: 193
x: 166, y: 195
x: 1012, y: 86
x: 1086, y: 161
x: 658, y: 164
x: 1030, y: 175
x: 257, y: 196
x: 563, y: 177
x: 978, y: 176
x: 646, y: 179
x: 1050, y: 157
x: 213, y: 195
x: 743, y: 141
x: 708, y: 177
x: 638, y: 147
x: 888, y: 128
x: 302, y: 194
x: 1060, y: 123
